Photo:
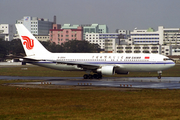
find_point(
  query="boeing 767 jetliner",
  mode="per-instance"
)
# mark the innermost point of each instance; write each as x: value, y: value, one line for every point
x: 98, y: 63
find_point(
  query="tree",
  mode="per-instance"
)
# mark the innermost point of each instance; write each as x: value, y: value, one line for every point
x: 73, y: 46
x: 2, y: 49
x: 52, y: 47
x: 76, y: 46
x: 16, y: 48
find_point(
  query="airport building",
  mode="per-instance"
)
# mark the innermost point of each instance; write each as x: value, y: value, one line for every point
x: 42, y: 37
x: 6, y: 32
x: 67, y: 32
x: 125, y: 33
x: 94, y: 28
x: 141, y: 37
x: 100, y: 38
x: 155, y: 49
x: 37, y: 26
x: 167, y: 37
x: 165, y: 41
x: 164, y: 36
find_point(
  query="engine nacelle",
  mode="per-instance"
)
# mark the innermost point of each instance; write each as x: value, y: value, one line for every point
x: 106, y: 70
x: 120, y: 72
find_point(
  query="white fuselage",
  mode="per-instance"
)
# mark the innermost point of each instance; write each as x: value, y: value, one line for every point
x: 125, y: 62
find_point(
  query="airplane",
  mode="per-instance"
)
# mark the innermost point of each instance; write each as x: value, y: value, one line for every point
x: 98, y: 63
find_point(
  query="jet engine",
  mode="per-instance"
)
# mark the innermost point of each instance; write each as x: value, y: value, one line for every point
x: 106, y: 70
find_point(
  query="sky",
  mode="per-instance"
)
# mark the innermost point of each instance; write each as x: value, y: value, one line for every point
x: 116, y: 14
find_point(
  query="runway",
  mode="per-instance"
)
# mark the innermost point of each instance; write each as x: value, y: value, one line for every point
x: 127, y: 82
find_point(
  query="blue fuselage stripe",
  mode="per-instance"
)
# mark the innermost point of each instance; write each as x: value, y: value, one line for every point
x: 41, y: 62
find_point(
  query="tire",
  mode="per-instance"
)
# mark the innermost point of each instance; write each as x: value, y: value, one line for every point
x: 95, y: 76
x: 85, y: 76
x: 90, y: 76
x: 99, y: 76
x: 159, y: 77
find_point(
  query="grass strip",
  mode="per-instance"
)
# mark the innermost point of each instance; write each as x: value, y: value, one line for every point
x: 53, y: 104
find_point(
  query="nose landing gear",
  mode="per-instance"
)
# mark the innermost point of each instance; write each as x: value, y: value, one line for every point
x: 159, y: 73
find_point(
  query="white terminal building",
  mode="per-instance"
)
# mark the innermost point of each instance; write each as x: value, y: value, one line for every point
x: 39, y: 27
x: 100, y: 38
x: 164, y: 41
x: 6, y: 32
x: 145, y: 41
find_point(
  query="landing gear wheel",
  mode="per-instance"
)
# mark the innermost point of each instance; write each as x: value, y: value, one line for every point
x: 159, y: 77
x: 95, y: 76
x: 99, y: 76
x: 159, y: 73
x: 85, y: 76
x: 90, y: 76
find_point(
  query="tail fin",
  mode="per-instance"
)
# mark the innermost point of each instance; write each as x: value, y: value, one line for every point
x: 31, y: 45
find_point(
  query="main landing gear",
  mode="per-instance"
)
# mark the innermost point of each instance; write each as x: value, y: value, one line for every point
x: 94, y: 76
x: 159, y: 73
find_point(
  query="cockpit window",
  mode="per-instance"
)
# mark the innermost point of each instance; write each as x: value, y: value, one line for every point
x: 165, y: 59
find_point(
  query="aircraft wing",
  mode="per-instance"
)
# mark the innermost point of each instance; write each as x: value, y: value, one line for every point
x: 84, y: 65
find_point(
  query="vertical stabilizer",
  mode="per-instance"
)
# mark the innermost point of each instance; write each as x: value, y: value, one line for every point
x: 31, y: 45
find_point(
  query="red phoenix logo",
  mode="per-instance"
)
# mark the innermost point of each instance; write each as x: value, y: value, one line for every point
x: 28, y: 42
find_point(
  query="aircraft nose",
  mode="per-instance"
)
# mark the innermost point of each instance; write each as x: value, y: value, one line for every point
x: 173, y: 64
